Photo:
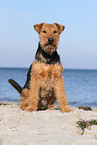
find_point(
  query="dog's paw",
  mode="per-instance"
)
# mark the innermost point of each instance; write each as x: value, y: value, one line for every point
x: 66, y: 109
x: 54, y: 107
x: 30, y: 109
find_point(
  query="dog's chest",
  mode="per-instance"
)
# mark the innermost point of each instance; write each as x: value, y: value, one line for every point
x: 46, y: 71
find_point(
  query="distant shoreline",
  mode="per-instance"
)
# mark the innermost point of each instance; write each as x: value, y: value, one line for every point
x: 75, y: 69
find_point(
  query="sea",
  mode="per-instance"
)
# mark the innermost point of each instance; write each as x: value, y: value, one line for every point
x: 80, y: 85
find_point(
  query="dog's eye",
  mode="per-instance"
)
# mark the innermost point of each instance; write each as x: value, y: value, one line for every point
x: 55, y: 32
x: 44, y: 31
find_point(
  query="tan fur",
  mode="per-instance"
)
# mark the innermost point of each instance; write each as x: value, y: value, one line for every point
x: 45, y: 76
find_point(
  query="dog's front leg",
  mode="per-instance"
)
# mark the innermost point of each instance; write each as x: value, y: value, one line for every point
x: 60, y: 94
x: 33, y: 95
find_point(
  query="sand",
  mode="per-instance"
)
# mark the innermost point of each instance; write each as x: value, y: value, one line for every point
x: 50, y: 127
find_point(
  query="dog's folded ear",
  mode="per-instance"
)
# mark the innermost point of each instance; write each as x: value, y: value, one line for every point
x: 60, y: 27
x: 38, y: 27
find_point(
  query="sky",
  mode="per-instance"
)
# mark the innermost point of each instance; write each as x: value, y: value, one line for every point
x: 18, y: 39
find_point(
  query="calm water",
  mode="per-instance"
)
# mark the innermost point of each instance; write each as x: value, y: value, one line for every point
x: 80, y: 85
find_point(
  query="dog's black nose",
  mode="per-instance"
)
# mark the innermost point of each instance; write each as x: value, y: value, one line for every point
x: 50, y: 40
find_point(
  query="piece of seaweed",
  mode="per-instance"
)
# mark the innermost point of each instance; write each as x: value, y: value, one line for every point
x: 82, y: 124
x: 1, y: 103
x: 7, y: 103
x: 86, y: 108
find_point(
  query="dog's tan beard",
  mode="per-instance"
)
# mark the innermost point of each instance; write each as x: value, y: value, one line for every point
x: 49, y: 49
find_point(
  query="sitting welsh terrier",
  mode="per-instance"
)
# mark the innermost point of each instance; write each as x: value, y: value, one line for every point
x: 44, y: 83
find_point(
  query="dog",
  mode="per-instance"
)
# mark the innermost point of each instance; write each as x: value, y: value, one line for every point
x: 44, y: 83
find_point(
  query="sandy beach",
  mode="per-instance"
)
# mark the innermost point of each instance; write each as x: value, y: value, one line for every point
x: 50, y: 127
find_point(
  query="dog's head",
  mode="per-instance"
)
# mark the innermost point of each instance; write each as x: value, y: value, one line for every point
x: 49, y: 36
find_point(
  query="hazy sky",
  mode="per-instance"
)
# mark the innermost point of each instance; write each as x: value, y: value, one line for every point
x: 19, y: 40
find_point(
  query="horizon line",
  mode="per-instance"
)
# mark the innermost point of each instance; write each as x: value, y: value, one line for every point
x: 63, y: 68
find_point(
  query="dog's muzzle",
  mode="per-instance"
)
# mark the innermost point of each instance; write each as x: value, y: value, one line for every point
x: 50, y: 47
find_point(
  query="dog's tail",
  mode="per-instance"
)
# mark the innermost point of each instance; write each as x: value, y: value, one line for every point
x: 15, y: 85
